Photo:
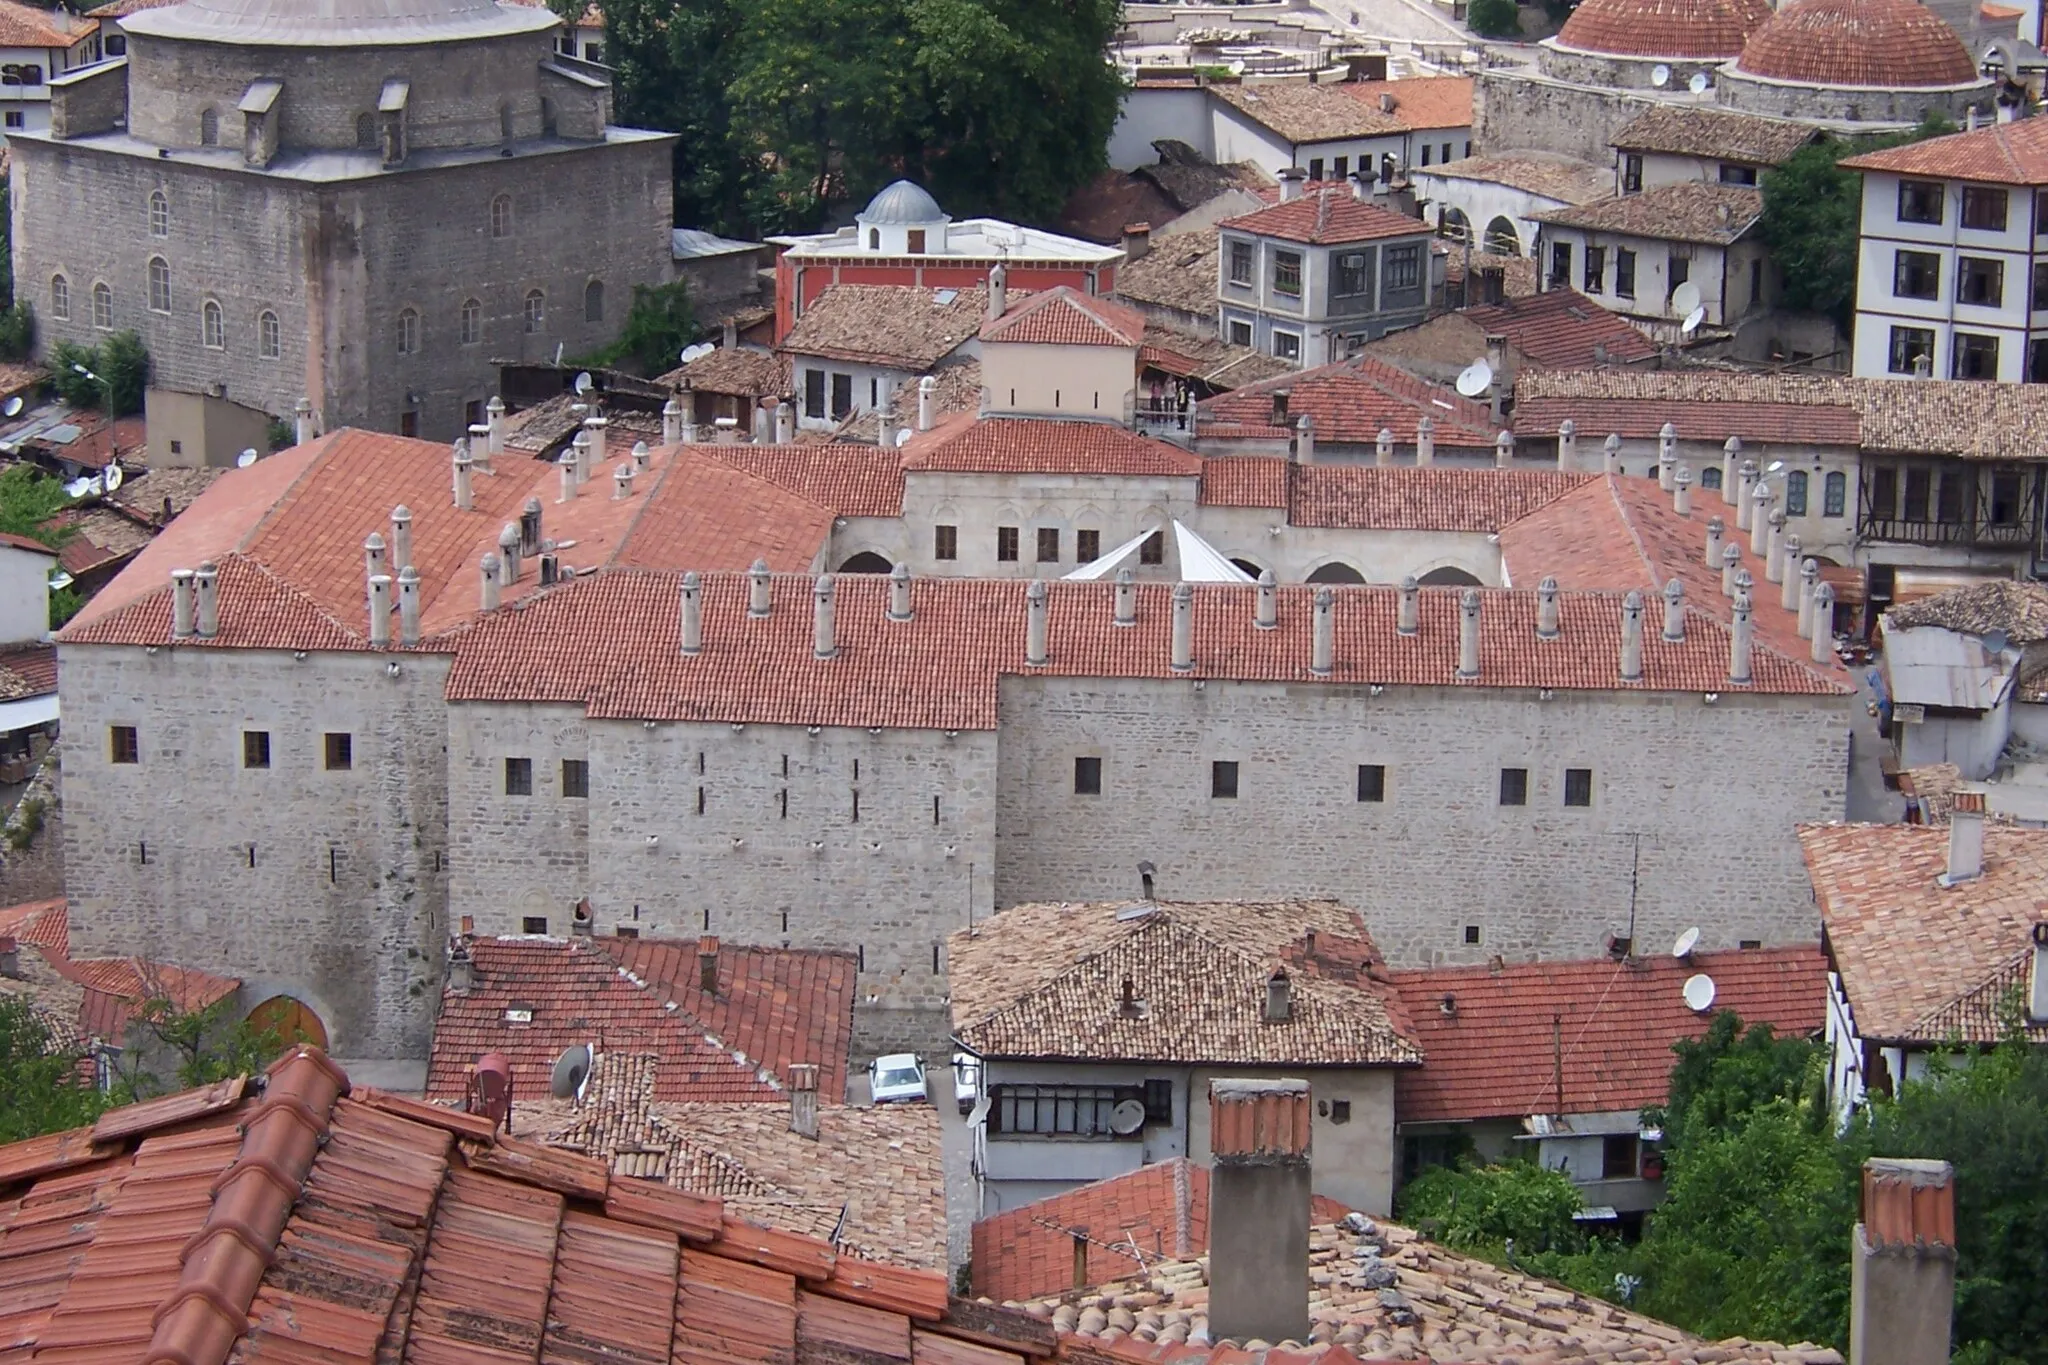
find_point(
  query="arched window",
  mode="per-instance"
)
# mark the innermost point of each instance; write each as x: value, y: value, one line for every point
x: 1336, y: 572
x: 213, y: 332
x: 1455, y: 225
x: 159, y: 285
x: 501, y: 216
x: 269, y: 335
x: 472, y: 322
x: 874, y: 239
x: 103, y: 307
x: 209, y: 128
x: 536, y: 310
x: 867, y: 561
x: 408, y: 331
x: 1795, y: 493
x: 1834, y: 493
x: 1502, y: 239
x: 1448, y: 578
x: 1247, y: 565
x: 366, y: 131
x: 1710, y: 477
x: 159, y: 214
x: 593, y: 301
x: 60, y: 298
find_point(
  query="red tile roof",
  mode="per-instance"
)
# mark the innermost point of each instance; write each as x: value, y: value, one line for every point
x: 1326, y: 217
x: 1245, y: 481
x: 27, y: 26
x: 1563, y: 329
x: 28, y: 671
x: 1687, y: 211
x: 1420, y: 102
x: 1390, y: 498
x: 1031, y: 445
x: 773, y: 1008
x: 1064, y: 316
x: 1595, y: 418
x: 2013, y: 153
x: 1494, y: 1054
x: 28, y: 543
x: 44, y: 923
x: 1664, y: 28
x: 315, y: 1225
x: 852, y: 480
x: 1352, y: 401
x: 113, y: 987
x: 1883, y: 44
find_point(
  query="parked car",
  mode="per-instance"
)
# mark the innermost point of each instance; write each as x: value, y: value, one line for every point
x: 966, y: 1080
x: 896, y: 1079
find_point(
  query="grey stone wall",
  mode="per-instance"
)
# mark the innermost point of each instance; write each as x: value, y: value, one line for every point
x: 1861, y: 104
x: 1512, y: 109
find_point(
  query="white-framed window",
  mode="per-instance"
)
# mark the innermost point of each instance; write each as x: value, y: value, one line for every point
x: 213, y: 332
x: 536, y: 311
x: 60, y: 298
x: 501, y: 216
x: 408, y: 331
x: 1286, y: 345
x: 472, y: 322
x: 159, y: 285
x: 269, y: 335
x: 103, y: 307
x: 159, y: 214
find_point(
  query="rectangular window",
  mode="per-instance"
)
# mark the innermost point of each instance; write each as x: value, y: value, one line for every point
x: 945, y: 542
x: 16, y: 119
x: 1341, y: 167
x: 1472, y: 933
x: 1884, y: 492
x: 533, y: 924
x: 1912, y: 347
x: 842, y: 395
x: 1315, y: 168
x: 1223, y: 780
x: 1984, y: 208
x: 2037, y: 361
x: 1372, y: 781
x: 1087, y: 777
x: 1340, y: 1111
x: 1048, y: 544
x: 1920, y: 201
x: 1286, y: 345
x: 1596, y: 269
x: 915, y: 241
x: 1351, y: 275
x: 1919, y: 485
x: 518, y: 777
x: 1425, y: 153
x: 1240, y: 262
x: 122, y: 744
x: 255, y: 748
x: 1732, y: 174
x: 814, y: 393
x: 1578, y: 786
x: 1240, y: 332
x: 1631, y: 172
x: 1795, y: 493
x: 1980, y: 281
x: 1916, y: 275
x: 1624, y: 273
x: 1057, y: 1110
x: 1677, y: 270
x: 2040, y: 298
x: 1514, y: 786
x: 1976, y: 356
x: 1087, y: 546
x: 1403, y: 268
x: 1834, y: 493
x: 1153, y: 551
x: 1618, y: 1153
x: 341, y: 752
x: 1948, y: 497
x: 1560, y: 265
x: 1006, y: 544
x: 575, y: 777
x: 1159, y: 1094
x: 1287, y: 273
x: 2005, y: 498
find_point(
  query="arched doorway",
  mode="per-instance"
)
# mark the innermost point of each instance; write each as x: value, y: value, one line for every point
x: 292, y: 1021
x: 1502, y: 239
x: 867, y: 561
x: 1454, y: 225
x: 1336, y: 571
x: 1448, y: 578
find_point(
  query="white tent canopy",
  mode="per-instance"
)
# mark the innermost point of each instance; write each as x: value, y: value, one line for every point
x: 1200, y: 562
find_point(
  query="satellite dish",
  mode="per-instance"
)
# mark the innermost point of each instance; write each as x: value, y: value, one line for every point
x: 1686, y: 297
x: 1687, y: 941
x: 60, y: 581
x: 1995, y: 641
x: 111, y: 476
x: 697, y: 352
x: 1474, y: 379
x: 1698, y: 84
x: 245, y: 459
x: 1699, y: 993
x: 584, y: 383
x: 78, y: 487
x: 1692, y: 321
x: 903, y: 435
x: 573, y: 1069
x: 1660, y: 75
x: 13, y: 408
x: 1127, y: 1118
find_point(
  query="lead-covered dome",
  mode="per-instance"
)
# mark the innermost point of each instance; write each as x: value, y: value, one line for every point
x: 902, y: 202
x: 338, y: 23
x: 1882, y: 44
x: 1664, y: 28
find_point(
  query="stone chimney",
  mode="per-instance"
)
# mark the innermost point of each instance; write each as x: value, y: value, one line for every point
x: 1036, y: 650
x: 183, y: 606
x: 1674, y: 611
x: 671, y: 422
x: 206, y: 600
x: 899, y: 593
x: 1738, y: 641
x: 642, y: 456
x: 998, y: 291
x: 487, y: 596
x: 374, y: 561
x: 1323, y: 635
x: 1137, y: 240
x: 529, y: 527
x: 1425, y: 440
x: 1744, y: 505
x: 1788, y: 573
x: 1126, y: 597
x: 1731, y: 565
x: 707, y: 964
x: 464, y: 499
x: 1267, y: 614
x: 1546, y: 609
x: 302, y: 421
x: 1809, y: 574
x: 380, y: 611
x: 1290, y: 184
x: 598, y: 429
x: 1774, y: 546
x: 1681, y: 492
x: 1731, y: 453
x: 1361, y: 187
x: 1305, y: 440
x: 568, y: 479
x: 1183, y: 628
x: 1760, y: 518
x: 622, y: 481
x: 1468, y: 634
x: 1383, y: 453
x: 1667, y: 455
x: 408, y: 605
x: 1902, y: 1264
x: 1610, y: 454
x: 1410, y: 619
x: 764, y: 424
x: 494, y: 421
x: 1965, y: 839
x: 693, y: 614
x: 579, y: 460
x: 785, y: 424
x: 508, y: 555
x: 1632, y: 637
x: 1259, y: 1183
x: 823, y: 644
x: 1503, y: 450
x: 803, y: 1100
x: 926, y: 387
x: 1824, y: 623
x: 461, y: 966
x: 1567, y: 444
x: 758, y: 603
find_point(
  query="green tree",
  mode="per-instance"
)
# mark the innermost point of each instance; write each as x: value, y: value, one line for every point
x: 1728, y: 1073
x: 1493, y: 18
x: 44, y: 1081
x: 28, y: 499
x: 121, y: 362
x: 658, y: 325
x: 1481, y: 1208
x: 671, y: 62
x: 166, y: 1048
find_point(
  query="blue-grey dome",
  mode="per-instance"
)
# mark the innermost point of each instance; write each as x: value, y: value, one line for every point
x: 902, y: 202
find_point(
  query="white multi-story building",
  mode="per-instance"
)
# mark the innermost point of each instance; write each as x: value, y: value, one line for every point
x: 1952, y: 267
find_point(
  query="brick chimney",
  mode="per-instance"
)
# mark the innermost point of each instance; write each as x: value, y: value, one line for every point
x: 803, y: 1100
x: 707, y: 964
x: 1902, y: 1264
x: 1137, y: 240
x: 1258, y: 1210
x: 1965, y: 839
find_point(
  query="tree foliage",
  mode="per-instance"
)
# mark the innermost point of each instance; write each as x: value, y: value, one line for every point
x: 121, y: 362
x: 1485, y: 1207
x: 44, y: 1086
x: 1729, y: 1073
x: 658, y: 325
x: 1493, y: 18
x: 174, y: 1049
x: 28, y: 499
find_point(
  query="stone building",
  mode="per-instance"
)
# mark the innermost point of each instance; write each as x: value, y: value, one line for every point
x: 351, y: 205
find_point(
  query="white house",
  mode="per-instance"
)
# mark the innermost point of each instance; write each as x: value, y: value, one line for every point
x: 1672, y: 144
x: 36, y: 45
x: 858, y: 343
x: 24, y: 589
x: 1951, y: 271
x: 1375, y: 128
x: 1497, y: 202
x: 1632, y: 252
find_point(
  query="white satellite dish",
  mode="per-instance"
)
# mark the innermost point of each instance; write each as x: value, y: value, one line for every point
x: 1475, y: 378
x: 1698, y: 84
x: 13, y: 408
x: 903, y: 435
x: 572, y: 1069
x: 245, y: 459
x: 697, y: 352
x: 1660, y: 75
x: 1774, y: 466
x: 584, y: 383
x: 1127, y: 1118
x: 1692, y: 321
x: 1685, y: 298
x: 78, y: 487
x: 1687, y: 941
x: 111, y: 476
x: 1699, y: 993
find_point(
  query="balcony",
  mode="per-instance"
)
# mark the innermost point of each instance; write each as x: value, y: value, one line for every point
x: 1966, y: 533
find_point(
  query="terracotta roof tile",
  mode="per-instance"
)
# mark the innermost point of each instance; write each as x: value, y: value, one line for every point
x: 2020, y: 610
x: 1686, y: 130
x: 852, y: 480
x: 1596, y: 418
x: 898, y: 326
x: 1881, y: 44
x: 1245, y: 481
x: 44, y: 923
x: 1064, y: 316
x: 1518, y: 273
x: 1391, y: 498
x: 1306, y: 111
x: 26, y: 26
x: 2002, y: 154
x: 1328, y: 216
x: 1664, y: 28
x: 1563, y: 329
x: 1547, y: 174
x: 1033, y: 445
x: 741, y: 370
x: 1352, y: 401
x: 1689, y: 211
x: 1420, y: 102
x: 1210, y: 359
x: 1177, y: 271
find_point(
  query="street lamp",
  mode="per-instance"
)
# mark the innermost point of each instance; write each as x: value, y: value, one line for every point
x: 99, y: 380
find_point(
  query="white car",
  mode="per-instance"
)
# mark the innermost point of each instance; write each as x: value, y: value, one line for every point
x: 896, y: 1079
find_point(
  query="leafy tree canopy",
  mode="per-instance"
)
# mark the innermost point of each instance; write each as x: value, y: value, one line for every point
x: 121, y: 362
x: 1493, y: 18
x: 42, y: 1086
x: 658, y: 326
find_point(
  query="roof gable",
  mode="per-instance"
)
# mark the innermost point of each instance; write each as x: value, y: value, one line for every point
x: 1352, y: 401
x: 1065, y: 317
x: 898, y: 326
x: 1327, y: 217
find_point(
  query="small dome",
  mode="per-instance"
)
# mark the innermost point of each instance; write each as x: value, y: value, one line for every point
x: 1887, y: 44
x: 1663, y: 28
x: 902, y: 202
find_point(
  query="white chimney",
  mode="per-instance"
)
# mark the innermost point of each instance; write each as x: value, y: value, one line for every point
x: 1681, y: 492
x: 1290, y: 184
x: 1183, y: 628
x: 1965, y: 838
x: 1384, y: 453
x: 1567, y: 444
x: 1361, y: 187
x: 899, y: 593
x: 642, y: 456
x: 302, y: 421
x: 409, y: 605
x: 374, y: 562
x: 598, y: 430
x: 1323, y: 635
x: 401, y: 536
x: 488, y: 587
x: 1788, y: 574
x: 1503, y: 450
x: 622, y: 482
x: 206, y: 600
x: 1546, y: 609
x: 1610, y: 453
x: 1667, y: 455
x: 579, y: 457
x: 1809, y: 575
x: 1410, y: 620
x: 1267, y: 616
x: 494, y: 418
x: 925, y: 388
x: 1824, y: 623
x: 182, y: 604
x: 1731, y: 565
x: 1738, y: 641
x: 1305, y: 440
x: 1774, y: 547
x: 464, y: 499
x: 1744, y: 505
x: 1126, y: 597
x: 1674, y: 611
x: 1425, y: 440
x: 688, y: 429
x: 380, y: 611
x: 1731, y: 452
x: 998, y: 292
x: 785, y: 424
x: 823, y: 643
x: 1036, y: 652
x: 671, y: 422
x: 1759, y: 518
x: 1716, y: 528
x: 1468, y: 634
x: 1632, y: 637
x: 757, y: 589
x: 508, y: 555
x: 693, y: 614
x: 2037, y: 977
x: 568, y: 479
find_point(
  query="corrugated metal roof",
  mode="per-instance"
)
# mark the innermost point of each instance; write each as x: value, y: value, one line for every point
x: 1929, y: 666
x: 686, y: 244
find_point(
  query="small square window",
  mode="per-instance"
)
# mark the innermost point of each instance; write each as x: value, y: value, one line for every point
x: 1087, y: 777
x: 1471, y: 933
x: 1153, y: 551
x: 1340, y: 1111
x: 1514, y: 786
x: 945, y: 542
x: 1087, y: 546
x: 1240, y: 332
x: 1578, y: 786
x: 575, y: 777
x: 177, y: 447
x: 123, y: 744
x: 1372, y: 782
x: 341, y: 752
x: 627, y: 931
x: 1048, y: 544
x: 1223, y: 780
x: 533, y: 924
x: 1749, y: 943
x: 1006, y: 544
x: 518, y: 777
x: 255, y: 748
x: 1619, y: 1153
